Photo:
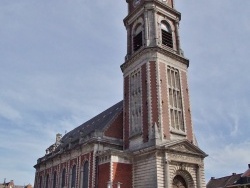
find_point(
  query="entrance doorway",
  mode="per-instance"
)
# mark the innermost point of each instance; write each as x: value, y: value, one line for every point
x: 179, y: 182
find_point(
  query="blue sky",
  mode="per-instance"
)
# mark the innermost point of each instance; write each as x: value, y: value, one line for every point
x: 60, y: 66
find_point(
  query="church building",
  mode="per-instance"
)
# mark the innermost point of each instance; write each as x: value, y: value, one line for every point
x: 146, y: 140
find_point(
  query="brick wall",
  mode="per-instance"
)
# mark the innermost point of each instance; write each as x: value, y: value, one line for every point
x: 154, y: 97
x: 122, y: 173
x: 187, y: 110
x: 103, y: 175
x: 164, y: 102
x: 115, y: 130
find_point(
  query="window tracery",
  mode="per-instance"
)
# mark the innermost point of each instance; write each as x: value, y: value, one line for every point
x: 175, y: 99
x: 135, y: 103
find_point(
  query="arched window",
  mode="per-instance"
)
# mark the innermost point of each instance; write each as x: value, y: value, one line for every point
x: 47, y: 181
x: 54, y: 180
x: 63, y: 178
x: 179, y: 182
x: 137, y: 37
x: 85, y: 179
x: 166, y: 34
x: 40, y: 182
x: 73, y: 177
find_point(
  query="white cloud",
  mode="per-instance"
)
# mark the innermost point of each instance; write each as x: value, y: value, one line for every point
x: 8, y: 112
x: 227, y: 159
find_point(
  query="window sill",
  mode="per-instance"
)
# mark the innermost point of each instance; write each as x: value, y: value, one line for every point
x: 178, y: 132
x: 168, y: 48
x: 135, y: 135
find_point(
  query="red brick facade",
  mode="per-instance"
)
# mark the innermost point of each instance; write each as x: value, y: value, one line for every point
x: 187, y: 110
x: 153, y: 93
x: 58, y: 169
x: 122, y: 173
x: 115, y: 130
x: 103, y: 175
x: 164, y: 101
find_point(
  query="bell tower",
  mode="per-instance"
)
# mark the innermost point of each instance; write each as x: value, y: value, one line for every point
x: 156, y: 97
x: 157, y: 124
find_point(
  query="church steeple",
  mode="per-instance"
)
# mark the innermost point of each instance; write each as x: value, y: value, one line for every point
x: 157, y: 124
x: 155, y: 76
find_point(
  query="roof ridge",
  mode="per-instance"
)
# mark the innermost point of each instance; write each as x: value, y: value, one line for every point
x: 227, y: 176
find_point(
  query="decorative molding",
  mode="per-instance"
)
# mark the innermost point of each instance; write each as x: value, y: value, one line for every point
x: 181, y: 147
x: 147, y: 50
x: 151, y: 6
x: 184, y: 158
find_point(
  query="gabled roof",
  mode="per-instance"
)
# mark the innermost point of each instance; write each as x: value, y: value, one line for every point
x: 224, y: 181
x: 184, y: 146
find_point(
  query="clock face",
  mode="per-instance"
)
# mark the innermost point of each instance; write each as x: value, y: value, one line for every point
x: 136, y: 2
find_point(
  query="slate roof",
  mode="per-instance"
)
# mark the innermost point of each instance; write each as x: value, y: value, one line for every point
x: 98, y: 122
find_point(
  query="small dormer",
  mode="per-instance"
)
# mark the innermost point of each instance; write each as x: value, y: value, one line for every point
x: 55, y: 145
x: 58, y: 138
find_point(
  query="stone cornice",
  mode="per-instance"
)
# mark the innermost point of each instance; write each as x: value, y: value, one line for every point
x: 114, y: 152
x: 94, y: 140
x: 167, y: 52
